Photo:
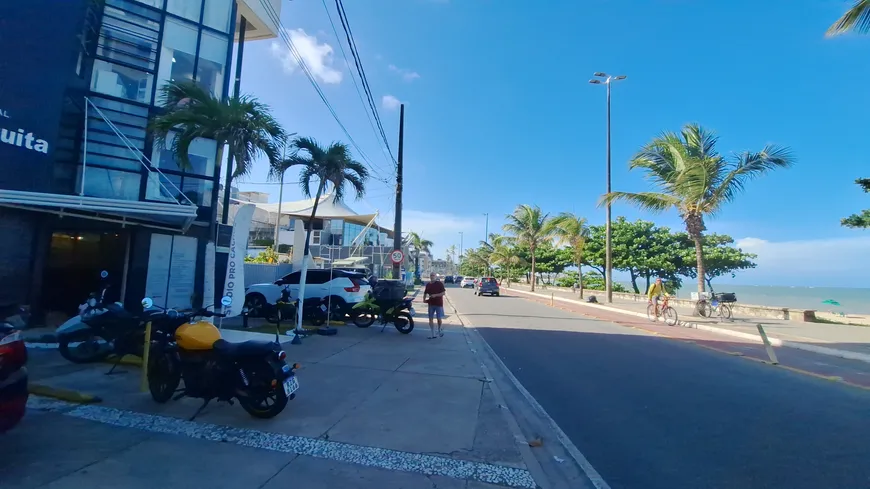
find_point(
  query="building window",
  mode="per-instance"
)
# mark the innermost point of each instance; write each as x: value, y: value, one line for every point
x: 121, y: 81
x: 315, y: 237
x: 164, y: 187
x: 212, y: 58
x: 178, y: 54
x: 199, y: 190
x: 202, y: 153
x: 189, y: 9
x: 128, y: 38
x: 110, y: 184
x: 217, y: 14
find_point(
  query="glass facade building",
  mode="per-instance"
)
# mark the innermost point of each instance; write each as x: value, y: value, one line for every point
x: 89, y: 189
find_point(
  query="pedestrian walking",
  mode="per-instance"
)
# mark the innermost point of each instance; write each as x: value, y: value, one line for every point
x: 433, y: 295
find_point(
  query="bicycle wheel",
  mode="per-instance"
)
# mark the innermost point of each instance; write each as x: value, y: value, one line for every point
x: 703, y: 309
x: 670, y: 315
x: 725, y: 311
x: 651, y: 312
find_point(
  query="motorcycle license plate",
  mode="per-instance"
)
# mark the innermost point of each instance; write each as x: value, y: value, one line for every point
x: 291, y: 385
x: 412, y: 312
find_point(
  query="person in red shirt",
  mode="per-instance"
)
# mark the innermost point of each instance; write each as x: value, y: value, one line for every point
x: 433, y: 295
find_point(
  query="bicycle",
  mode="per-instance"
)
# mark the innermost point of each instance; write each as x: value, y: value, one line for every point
x: 719, y: 305
x: 668, y: 312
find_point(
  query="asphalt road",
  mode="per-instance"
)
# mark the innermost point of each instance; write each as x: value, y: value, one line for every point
x: 651, y: 412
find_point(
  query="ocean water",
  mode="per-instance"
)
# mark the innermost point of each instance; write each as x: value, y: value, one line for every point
x: 852, y: 301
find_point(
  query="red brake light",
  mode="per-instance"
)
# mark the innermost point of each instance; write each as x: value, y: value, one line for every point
x: 12, y: 350
x: 355, y: 287
x: 282, y: 355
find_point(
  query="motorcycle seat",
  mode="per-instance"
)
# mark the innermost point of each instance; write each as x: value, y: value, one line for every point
x: 245, y: 348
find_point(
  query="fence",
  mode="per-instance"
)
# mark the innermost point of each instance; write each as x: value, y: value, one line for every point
x: 258, y: 273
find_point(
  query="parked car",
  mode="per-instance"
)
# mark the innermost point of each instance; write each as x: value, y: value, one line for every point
x: 487, y: 285
x: 13, y: 376
x: 467, y: 282
x: 448, y: 279
x: 342, y: 288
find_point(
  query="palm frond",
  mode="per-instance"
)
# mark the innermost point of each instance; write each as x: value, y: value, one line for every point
x: 748, y: 166
x: 855, y: 19
x: 651, y: 201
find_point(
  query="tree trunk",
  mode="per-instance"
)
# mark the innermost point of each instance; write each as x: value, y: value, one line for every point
x: 699, y: 255
x: 532, y: 250
x: 305, y: 253
x: 709, y: 284
x: 580, y: 279
x: 634, y: 281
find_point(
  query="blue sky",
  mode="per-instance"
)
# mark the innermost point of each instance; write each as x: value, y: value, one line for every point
x: 499, y: 111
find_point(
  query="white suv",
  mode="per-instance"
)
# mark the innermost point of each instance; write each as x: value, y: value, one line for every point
x: 344, y: 288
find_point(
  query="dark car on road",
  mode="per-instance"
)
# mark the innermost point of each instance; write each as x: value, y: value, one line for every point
x: 448, y: 279
x: 487, y: 285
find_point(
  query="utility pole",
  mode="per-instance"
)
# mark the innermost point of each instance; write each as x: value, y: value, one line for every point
x: 608, y: 260
x: 486, y: 229
x: 280, y: 198
x: 460, y: 250
x: 228, y: 181
x: 397, y: 228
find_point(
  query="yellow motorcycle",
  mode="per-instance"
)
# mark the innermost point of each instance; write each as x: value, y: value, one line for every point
x: 186, y: 348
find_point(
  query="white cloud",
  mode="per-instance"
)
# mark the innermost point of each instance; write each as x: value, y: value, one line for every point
x: 390, y: 103
x: 406, y: 75
x: 317, y: 56
x: 817, y: 262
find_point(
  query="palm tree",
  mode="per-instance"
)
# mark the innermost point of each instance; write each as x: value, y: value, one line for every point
x: 696, y: 180
x: 451, y: 253
x: 572, y: 230
x: 333, y: 165
x: 420, y: 245
x: 242, y: 123
x: 855, y: 19
x: 504, y: 254
x: 530, y: 227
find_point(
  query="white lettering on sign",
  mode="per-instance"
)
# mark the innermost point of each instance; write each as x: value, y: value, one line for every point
x: 20, y: 138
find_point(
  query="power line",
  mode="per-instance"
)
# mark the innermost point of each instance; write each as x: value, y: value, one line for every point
x: 345, y: 24
x: 282, y: 33
x: 355, y: 84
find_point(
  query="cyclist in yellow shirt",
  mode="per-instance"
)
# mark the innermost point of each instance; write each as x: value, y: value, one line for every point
x: 655, y: 293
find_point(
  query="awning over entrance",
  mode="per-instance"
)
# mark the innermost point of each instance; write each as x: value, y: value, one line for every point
x: 174, y: 217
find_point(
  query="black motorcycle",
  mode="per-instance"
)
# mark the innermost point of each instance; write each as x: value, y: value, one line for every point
x: 101, y: 329
x: 398, y: 312
x: 253, y: 372
x: 314, y: 310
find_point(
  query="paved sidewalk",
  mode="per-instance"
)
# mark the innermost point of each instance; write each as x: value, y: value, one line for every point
x: 854, y: 372
x: 838, y: 336
x: 375, y: 410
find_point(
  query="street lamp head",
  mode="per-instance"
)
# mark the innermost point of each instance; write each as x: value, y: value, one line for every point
x: 595, y: 82
x: 620, y: 77
x: 600, y: 73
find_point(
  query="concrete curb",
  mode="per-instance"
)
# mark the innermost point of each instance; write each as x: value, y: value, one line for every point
x: 588, y: 470
x: 62, y: 394
x: 822, y: 350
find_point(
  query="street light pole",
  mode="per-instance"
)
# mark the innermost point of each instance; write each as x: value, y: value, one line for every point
x: 604, y: 78
x: 460, y: 251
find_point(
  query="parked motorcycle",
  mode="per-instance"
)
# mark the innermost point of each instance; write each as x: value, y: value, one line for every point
x: 100, y: 329
x: 184, y: 348
x: 13, y: 371
x: 399, y: 312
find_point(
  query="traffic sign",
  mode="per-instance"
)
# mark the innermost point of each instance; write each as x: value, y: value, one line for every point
x: 397, y: 256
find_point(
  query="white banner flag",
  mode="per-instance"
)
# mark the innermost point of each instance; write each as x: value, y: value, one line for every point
x: 234, y: 284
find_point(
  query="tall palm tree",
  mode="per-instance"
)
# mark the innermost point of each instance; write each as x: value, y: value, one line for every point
x: 696, y: 180
x: 333, y: 165
x: 420, y: 245
x: 530, y: 227
x: 242, y: 123
x: 504, y: 254
x: 572, y: 230
x: 855, y: 19
x: 451, y: 253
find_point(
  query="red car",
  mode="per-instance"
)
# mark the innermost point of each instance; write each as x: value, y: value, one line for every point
x: 13, y: 376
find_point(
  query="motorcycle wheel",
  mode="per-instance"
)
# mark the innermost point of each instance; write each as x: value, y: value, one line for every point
x: 164, y: 375
x: 264, y: 401
x: 404, y: 322
x: 364, y: 319
x: 89, y: 351
x: 318, y: 319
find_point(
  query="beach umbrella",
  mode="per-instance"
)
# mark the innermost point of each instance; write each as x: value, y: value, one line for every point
x: 831, y: 302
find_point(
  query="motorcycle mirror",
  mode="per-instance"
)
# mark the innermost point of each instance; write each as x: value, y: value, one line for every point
x: 104, y: 274
x: 226, y: 301
x: 147, y: 303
